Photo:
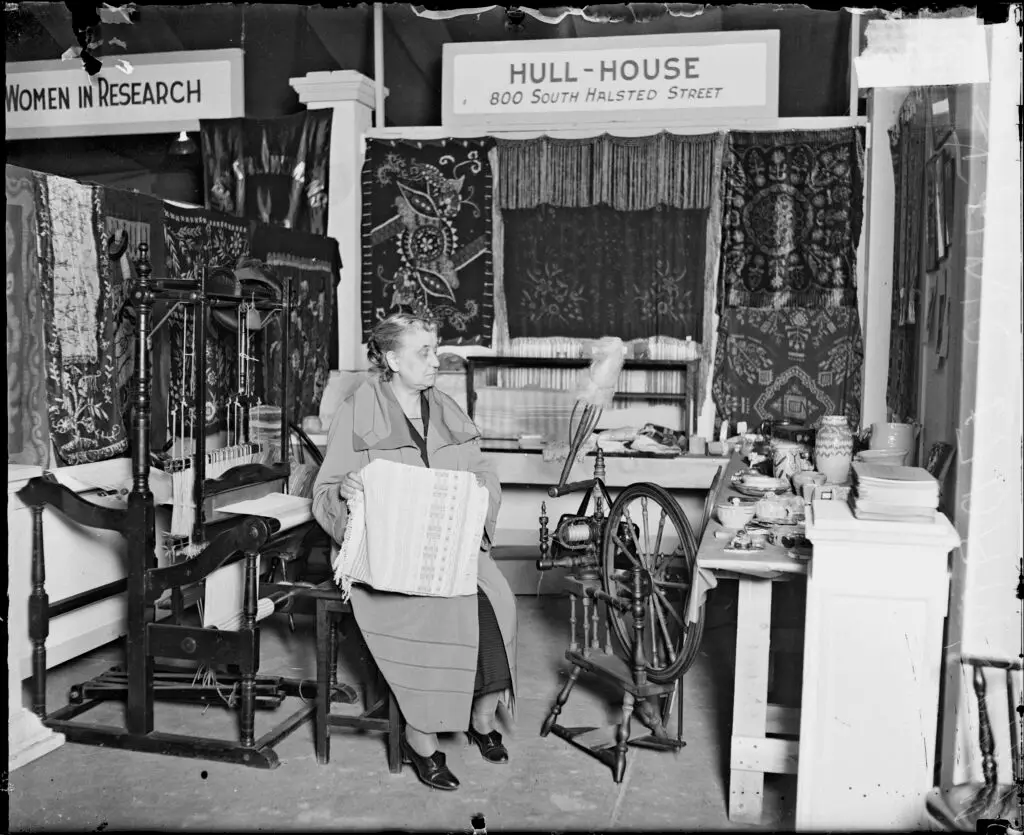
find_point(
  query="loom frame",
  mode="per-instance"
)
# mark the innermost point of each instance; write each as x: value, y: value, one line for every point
x: 241, y: 538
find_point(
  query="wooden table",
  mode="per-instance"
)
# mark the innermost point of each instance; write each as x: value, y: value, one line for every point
x: 752, y: 752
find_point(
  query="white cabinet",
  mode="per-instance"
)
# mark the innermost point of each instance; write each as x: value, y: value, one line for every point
x: 877, y: 596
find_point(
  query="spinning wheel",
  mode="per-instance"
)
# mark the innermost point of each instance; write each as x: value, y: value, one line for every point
x: 663, y: 545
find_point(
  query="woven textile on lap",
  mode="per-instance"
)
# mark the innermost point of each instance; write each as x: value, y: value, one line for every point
x: 426, y: 241
x: 413, y: 530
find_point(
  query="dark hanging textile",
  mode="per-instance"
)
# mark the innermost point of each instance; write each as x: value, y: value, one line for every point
x: 792, y: 209
x: 273, y: 171
x: 426, y: 238
x: 136, y: 218
x: 198, y: 240
x: 790, y: 364
x: 588, y: 273
x: 86, y: 422
x: 313, y: 264
x: 28, y: 430
x: 908, y: 144
x: 625, y: 173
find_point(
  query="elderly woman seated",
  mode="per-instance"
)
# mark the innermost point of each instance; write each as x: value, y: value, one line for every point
x: 448, y: 661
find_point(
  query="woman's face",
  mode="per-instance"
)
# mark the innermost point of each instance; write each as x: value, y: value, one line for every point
x: 415, y: 363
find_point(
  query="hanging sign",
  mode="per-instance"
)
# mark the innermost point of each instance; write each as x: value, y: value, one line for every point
x: 704, y: 78
x: 162, y: 92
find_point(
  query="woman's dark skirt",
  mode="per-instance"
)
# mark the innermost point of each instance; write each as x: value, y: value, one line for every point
x: 492, y: 672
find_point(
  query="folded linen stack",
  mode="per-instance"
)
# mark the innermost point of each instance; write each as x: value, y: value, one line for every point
x: 891, y: 493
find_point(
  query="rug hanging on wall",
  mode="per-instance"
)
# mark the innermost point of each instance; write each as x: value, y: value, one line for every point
x: 28, y: 427
x: 793, y: 364
x: 270, y: 170
x: 84, y: 401
x: 197, y: 240
x: 313, y: 264
x: 792, y: 211
x: 589, y: 272
x: 426, y: 240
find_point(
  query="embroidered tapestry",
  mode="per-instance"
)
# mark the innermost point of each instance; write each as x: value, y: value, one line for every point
x: 131, y: 219
x: 196, y: 240
x: 791, y: 364
x: 312, y: 264
x: 792, y: 210
x: 28, y: 427
x: 426, y: 240
x: 273, y: 171
x: 84, y: 404
x: 597, y: 271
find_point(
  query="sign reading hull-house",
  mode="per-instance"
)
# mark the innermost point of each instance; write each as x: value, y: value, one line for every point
x: 699, y: 78
x: 155, y: 93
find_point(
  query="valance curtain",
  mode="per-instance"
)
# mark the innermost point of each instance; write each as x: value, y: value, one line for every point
x: 272, y: 171
x: 581, y: 193
x: 426, y: 239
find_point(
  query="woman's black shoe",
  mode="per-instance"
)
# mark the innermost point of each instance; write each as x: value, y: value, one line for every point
x: 490, y: 745
x: 431, y: 770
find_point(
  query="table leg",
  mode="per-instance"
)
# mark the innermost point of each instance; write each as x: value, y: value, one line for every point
x: 750, y: 694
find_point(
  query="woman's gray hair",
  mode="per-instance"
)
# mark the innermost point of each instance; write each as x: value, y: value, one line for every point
x: 387, y: 336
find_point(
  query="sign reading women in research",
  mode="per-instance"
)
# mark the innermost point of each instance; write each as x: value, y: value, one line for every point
x: 679, y: 78
x: 155, y: 93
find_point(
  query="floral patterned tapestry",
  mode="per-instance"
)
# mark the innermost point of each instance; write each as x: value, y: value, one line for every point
x: 313, y: 265
x: 791, y: 364
x: 131, y: 219
x: 84, y: 401
x: 270, y: 170
x: 197, y: 240
x: 28, y: 428
x: 792, y: 211
x: 427, y: 229
x: 598, y: 271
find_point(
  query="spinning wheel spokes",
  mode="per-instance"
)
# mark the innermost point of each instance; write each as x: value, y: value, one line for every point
x: 669, y: 643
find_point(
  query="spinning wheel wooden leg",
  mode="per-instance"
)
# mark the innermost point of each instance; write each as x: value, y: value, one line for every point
x: 622, y: 736
x: 247, y: 710
x: 325, y: 626
x: 563, y: 697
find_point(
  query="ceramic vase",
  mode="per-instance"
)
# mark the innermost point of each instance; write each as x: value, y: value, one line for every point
x: 833, y: 449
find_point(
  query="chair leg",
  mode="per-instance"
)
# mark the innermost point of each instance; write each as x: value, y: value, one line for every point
x: 324, y: 626
x: 622, y: 737
x: 394, y: 735
x: 563, y: 697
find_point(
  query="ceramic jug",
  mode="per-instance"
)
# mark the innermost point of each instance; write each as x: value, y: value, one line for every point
x: 833, y: 449
x: 894, y: 436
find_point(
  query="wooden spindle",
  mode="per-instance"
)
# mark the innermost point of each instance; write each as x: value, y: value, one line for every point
x: 986, y: 740
x: 638, y: 611
x: 573, y: 643
x: 38, y: 615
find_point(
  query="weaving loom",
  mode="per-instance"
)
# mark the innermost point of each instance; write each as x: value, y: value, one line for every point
x: 215, y: 543
x: 414, y: 531
x: 642, y: 587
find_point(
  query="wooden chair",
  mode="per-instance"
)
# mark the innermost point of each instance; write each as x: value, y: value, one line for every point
x: 940, y: 457
x: 960, y: 807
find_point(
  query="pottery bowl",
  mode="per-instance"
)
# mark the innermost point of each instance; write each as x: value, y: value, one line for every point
x: 735, y: 514
x: 896, y: 457
x: 772, y: 509
x: 806, y: 477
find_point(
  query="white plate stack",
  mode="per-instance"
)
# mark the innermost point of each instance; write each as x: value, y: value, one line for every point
x: 888, y: 492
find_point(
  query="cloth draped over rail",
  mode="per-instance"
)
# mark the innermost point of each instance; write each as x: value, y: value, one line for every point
x: 593, y: 194
x: 426, y: 237
x: 273, y: 171
x: 28, y: 426
x: 313, y: 264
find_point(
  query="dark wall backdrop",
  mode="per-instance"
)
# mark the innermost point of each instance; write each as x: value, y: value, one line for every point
x: 283, y: 41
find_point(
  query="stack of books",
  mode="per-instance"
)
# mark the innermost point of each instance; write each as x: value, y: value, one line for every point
x: 890, y: 493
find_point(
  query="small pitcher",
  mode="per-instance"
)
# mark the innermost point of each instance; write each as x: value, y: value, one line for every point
x: 895, y: 436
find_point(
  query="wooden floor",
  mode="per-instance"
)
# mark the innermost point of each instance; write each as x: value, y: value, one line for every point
x: 548, y: 785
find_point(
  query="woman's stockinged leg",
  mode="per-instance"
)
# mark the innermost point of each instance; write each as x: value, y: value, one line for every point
x: 485, y: 707
x: 422, y: 743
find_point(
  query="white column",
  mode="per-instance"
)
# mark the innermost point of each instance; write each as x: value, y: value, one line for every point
x: 351, y: 95
x: 27, y: 737
x: 877, y: 596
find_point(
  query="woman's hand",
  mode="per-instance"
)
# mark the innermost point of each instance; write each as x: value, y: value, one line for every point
x: 351, y: 485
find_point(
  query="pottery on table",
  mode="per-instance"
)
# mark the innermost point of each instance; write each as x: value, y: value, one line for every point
x: 772, y: 509
x: 894, y: 436
x: 735, y: 513
x: 790, y: 458
x: 896, y: 457
x: 833, y: 449
x: 807, y: 477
